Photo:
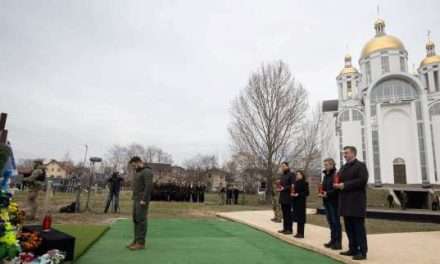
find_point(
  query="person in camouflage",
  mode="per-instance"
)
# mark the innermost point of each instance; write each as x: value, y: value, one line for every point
x: 35, y: 183
x: 276, y: 207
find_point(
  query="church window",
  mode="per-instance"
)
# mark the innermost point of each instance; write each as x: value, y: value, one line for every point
x: 385, y: 64
x: 427, y: 81
x: 357, y: 115
x: 421, y: 140
x: 402, y: 64
x: 436, y: 81
x: 376, y: 155
x: 349, y: 89
x: 368, y: 71
x: 393, y: 90
x: 434, y: 110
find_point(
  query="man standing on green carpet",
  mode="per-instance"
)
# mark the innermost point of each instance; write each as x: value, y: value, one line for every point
x: 142, y: 188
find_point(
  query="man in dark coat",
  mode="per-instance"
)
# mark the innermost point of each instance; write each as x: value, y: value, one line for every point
x: 236, y: 193
x: 353, y: 203
x: 142, y: 189
x: 229, y: 194
x: 284, y: 188
x: 330, y: 199
x: 114, y: 185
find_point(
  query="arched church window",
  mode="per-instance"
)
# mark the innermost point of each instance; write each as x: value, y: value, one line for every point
x: 398, y: 161
x: 345, y: 116
x: 356, y: 115
x: 393, y: 90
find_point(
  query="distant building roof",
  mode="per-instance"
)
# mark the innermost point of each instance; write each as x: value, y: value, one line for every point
x: 159, y: 166
x: 330, y: 106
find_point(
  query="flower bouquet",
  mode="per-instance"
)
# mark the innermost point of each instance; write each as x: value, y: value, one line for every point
x: 30, y: 241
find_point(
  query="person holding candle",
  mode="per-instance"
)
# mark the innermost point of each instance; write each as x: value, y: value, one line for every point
x: 284, y: 188
x: 353, y: 203
x: 330, y: 199
x: 300, y: 193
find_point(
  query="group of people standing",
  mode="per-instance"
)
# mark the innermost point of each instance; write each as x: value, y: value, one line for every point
x: 229, y: 194
x: 343, y: 193
x: 179, y: 192
x: 293, y: 190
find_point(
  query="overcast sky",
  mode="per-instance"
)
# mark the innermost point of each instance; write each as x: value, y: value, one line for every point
x: 164, y: 72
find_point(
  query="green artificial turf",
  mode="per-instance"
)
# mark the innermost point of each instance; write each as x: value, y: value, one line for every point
x: 196, y: 241
x: 85, y: 235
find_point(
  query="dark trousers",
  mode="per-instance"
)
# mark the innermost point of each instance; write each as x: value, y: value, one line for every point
x: 300, y: 228
x: 356, y: 234
x: 334, y: 222
x: 287, y: 216
x: 112, y: 196
x: 140, y: 221
x: 194, y: 197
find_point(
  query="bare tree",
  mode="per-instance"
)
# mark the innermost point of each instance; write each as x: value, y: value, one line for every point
x: 118, y: 156
x: 266, y: 115
x: 307, y: 152
x: 198, y: 167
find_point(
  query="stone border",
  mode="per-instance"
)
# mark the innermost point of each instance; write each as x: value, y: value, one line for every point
x: 298, y: 243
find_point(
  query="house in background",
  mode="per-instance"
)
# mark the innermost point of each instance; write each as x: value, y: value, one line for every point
x: 57, y: 169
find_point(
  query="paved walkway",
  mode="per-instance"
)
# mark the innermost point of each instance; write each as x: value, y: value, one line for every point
x: 398, y: 248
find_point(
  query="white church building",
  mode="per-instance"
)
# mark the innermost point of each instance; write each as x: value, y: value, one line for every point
x: 390, y: 115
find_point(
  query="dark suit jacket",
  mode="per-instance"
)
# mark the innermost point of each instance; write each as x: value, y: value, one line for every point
x: 286, y: 180
x: 353, y: 198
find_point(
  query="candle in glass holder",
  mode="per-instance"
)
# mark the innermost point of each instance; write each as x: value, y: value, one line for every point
x: 278, y: 185
x: 47, y: 223
x: 337, y: 178
x: 320, y: 189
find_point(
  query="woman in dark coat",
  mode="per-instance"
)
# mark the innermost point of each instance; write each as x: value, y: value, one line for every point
x: 301, y: 191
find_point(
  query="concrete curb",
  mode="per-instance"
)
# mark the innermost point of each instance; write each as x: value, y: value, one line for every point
x: 291, y: 241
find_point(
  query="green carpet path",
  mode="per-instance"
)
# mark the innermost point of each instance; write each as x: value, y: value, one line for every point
x: 194, y: 241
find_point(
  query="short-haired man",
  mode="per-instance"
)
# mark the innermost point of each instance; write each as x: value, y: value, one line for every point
x: 353, y: 203
x: 286, y: 180
x: 142, y: 188
x: 330, y: 198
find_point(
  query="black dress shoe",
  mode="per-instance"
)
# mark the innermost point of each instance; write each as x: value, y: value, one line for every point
x: 336, y: 246
x: 328, y: 245
x: 287, y: 232
x: 298, y: 236
x: 359, y: 257
x: 281, y: 231
x: 346, y: 253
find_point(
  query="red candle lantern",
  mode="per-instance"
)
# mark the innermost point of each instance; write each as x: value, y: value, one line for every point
x: 320, y: 189
x: 47, y: 223
x: 337, y: 178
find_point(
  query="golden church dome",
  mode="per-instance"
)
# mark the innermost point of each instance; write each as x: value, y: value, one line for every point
x: 430, y: 60
x: 431, y: 57
x: 381, y: 41
x: 348, y: 67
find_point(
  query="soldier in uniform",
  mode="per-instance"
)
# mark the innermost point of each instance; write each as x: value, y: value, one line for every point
x: 142, y: 189
x: 276, y: 207
x: 35, y: 182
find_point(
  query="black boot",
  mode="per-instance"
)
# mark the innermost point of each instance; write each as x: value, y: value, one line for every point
x: 329, y: 244
x: 336, y: 246
x: 346, y: 253
x: 300, y: 230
